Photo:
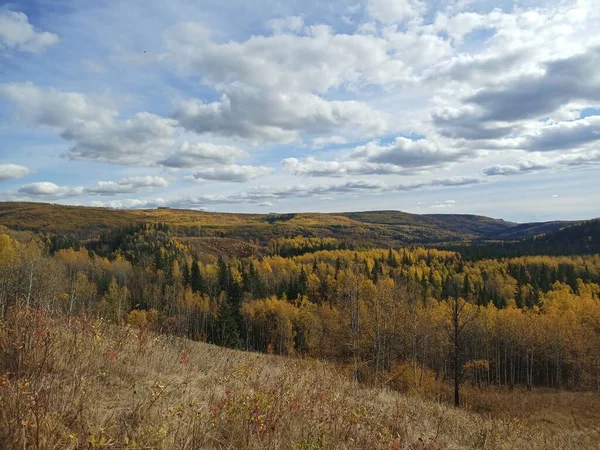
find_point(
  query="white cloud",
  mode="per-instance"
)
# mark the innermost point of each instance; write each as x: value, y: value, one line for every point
x: 17, y: 33
x: 444, y: 204
x: 129, y: 203
x: 265, y: 115
x: 12, y: 171
x: 293, y: 24
x: 47, y: 190
x: 142, y: 139
x: 53, y: 108
x: 274, y: 88
x: 501, y: 170
x: 494, y: 92
x: 402, y: 156
x: 234, y: 173
x: 563, y: 80
x: 316, y: 168
x: 50, y: 191
x: 265, y: 195
x: 388, y: 11
x: 93, y: 128
x: 459, y: 25
x: 127, y: 185
x: 321, y: 142
x: 202, y: 154
x: 564, y: 135
x: 409, y: 153
x: 564, y: 161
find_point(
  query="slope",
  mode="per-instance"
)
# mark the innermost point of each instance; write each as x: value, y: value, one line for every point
x: 91, y: 385
x: 563, y: 239
x: 372, y: 228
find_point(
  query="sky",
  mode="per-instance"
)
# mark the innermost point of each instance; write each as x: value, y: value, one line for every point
x: 469, y: 106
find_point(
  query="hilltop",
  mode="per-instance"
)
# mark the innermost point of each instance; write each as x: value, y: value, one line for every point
x: 371, y: 228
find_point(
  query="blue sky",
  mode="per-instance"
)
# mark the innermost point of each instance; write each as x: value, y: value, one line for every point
x: 461, y: 106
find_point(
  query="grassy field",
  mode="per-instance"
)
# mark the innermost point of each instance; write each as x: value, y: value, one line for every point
x: 92, y: 385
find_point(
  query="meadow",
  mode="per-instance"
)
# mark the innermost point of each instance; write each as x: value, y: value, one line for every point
x: 90, y: 384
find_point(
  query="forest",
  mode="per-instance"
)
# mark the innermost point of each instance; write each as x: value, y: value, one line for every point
x: 409, y: 318
x: 491, y: 343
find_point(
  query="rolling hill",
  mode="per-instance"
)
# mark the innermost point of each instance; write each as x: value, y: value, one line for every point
x: 552, y: 239
x: 371, y: 228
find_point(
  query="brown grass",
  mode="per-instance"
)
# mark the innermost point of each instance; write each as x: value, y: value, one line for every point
x: 93, y: 385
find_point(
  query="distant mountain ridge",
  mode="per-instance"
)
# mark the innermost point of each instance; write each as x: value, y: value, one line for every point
x: 381, y: 228
x: 581, y: 238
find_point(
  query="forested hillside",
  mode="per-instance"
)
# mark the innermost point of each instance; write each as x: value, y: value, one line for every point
x: 468, y: 325
x: 582, y: 238
x: 372, y: 229
x: 530, y: 320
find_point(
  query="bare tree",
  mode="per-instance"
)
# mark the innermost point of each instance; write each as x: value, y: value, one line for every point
x: 459, y: 315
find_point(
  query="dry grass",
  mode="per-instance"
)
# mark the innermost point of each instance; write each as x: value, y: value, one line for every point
x: 93, y: 385
x: 542, y: 407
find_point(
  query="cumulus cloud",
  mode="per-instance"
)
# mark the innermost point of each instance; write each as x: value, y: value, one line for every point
x: 466, y: 123
x: 563, y: 81
x: 12, y: 171
x: 16, y: 33
x: 266, y: 195
x: 388, y: 11
x: 142, y: 139
x: 53, y: 108
x: 494, y: 111
x: 273, y: 88
x: 293, y: 24
x: 94, y: 129
x: 583, y: 159
x: 444, y: 204
x: 233, y: 173
x: 127, y: 185
x: 264, y: 115
x: 564, y: 135
x: 498, y: 169
x: 203, y: 153
x: 317, y: 168
x: 564, y: 161
x: 512, y: 81
x: 321, y: 142
x: 129, y: 203
x: 402, y: 156
x: 408, y: 153
x: 317, y: 62
x: 50, y: 191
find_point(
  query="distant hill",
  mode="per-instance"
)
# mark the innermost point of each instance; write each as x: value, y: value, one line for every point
x: 368, y: 228
x: 526, y: 230
x: 556, y: 238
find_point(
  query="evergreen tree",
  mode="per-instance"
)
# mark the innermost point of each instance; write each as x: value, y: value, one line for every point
x: 196, y: 280
x: 186, y: 273
x: 302, y: 282
x: 223, y: 275
x: 392, y: 262
x: 229, y: 333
